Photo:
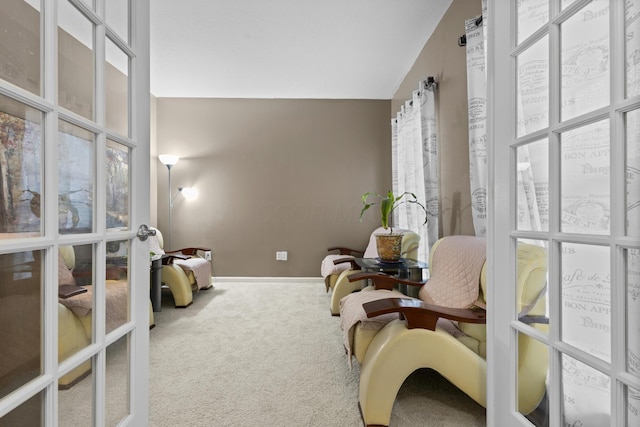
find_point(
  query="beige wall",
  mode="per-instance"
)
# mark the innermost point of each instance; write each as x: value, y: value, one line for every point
x: 273, y: 175
x: 287, y: 175
x: 443, y: 59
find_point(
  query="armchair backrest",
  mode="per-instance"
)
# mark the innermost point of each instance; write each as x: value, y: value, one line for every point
x: 530, y: 299
x: 156, y: 243
x: 410, y: 243
x: 159, y: 237
x: 68, y: 255
x: 530, y: 285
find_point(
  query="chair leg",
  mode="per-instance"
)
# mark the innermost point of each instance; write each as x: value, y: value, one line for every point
x: 182, y: 297
x: 382, y: 373
x: 396, y: 352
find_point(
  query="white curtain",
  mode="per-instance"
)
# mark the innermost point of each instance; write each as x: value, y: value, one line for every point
x: 415, y: 165
x: 477, y: 111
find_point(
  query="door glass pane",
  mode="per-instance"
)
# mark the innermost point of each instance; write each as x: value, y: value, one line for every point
x: 585, y: 60
x: 21, y: 169
x: 117, y: 73
x: 76, y: 152
x: 633, y: 311
x: 117, y: 284
x: 632, y: 15
x: 29, y: 414
x: 117, y: 186
x: 117, y: 381
x: 533, y: 186
x: 531, y: 295
x: 632, y: 396
x: 75, y: 402
x: 585, y: 179
x: 76, y: 61
x: 75, y: 304
x: 586, y: 298
x: 532, y: 14
x: 533, y: 365
x: 20, y: 44
x: 533, y: 88
x: 118, y: 17
x: 633, y: 172
x: 20, y: 319
x: 587, y: 395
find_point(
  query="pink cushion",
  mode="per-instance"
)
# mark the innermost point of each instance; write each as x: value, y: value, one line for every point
x: 80, y: 304
x: 65, y: 277
x: 456, y: 264
x: 328, y: 268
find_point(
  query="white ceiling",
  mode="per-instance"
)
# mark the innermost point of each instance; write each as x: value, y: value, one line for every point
x: 314, y: 49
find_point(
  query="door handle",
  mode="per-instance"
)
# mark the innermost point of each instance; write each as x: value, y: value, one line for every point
x: 144, y: 232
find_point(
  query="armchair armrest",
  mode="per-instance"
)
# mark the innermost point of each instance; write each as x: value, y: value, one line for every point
x: 382, y: 280
x: 422, y: 315
x: 354, y: 265
x: 344, y: 251
x: 530, y: 319
x: 188, y: 251
x: 168, y: 258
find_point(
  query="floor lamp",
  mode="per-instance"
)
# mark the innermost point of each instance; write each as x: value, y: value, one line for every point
x: 169, y: 160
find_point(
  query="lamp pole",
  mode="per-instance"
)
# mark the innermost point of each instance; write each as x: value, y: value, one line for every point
x: 169, y: 160
x: 170, y: 208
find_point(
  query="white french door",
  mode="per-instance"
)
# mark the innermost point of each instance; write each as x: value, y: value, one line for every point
x: 564, y: 114
x: 74, y: 181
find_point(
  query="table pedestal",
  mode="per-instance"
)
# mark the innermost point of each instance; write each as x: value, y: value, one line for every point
x: 156, y: 284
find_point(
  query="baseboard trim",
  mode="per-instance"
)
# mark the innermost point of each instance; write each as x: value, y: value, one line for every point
x: 267, y: 279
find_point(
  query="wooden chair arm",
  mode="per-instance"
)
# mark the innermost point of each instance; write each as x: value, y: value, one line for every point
x: 168, y: 258
x: 354, y: 265
x: 382, y: 280
x: 188, y: 251
x: 344, y: 251
x: 422, y: 315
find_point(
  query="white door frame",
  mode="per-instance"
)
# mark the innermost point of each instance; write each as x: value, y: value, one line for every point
x: 138, y: 268
x: 502, y: 324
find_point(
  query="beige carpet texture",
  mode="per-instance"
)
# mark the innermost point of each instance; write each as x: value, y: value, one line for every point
x: 256, y: 353
x: 270, y: 354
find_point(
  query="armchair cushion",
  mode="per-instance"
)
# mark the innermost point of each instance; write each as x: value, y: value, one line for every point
x: 452, y: 283
x: 65, y: 277
x: 80, y: 304
x: 352, y: 313
x: 327, y: 267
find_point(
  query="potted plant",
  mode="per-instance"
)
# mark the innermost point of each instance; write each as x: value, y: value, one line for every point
x: 389, y: 245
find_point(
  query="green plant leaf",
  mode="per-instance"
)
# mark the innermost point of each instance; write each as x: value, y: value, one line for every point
x: 388, y: 204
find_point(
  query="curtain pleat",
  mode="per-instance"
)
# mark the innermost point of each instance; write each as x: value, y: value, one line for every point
x: 415, y: 165
x: 477, y: 111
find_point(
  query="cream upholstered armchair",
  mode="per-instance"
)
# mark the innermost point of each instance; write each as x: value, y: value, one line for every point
x: 75, y: 315
x: 451, y: 341
x: 336, y: 268
x: 184, y: 270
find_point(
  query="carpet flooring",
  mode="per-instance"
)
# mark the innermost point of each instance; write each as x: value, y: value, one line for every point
x: 270, y: 354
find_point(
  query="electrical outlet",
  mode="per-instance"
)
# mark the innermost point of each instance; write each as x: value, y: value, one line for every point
x: 281, y: 255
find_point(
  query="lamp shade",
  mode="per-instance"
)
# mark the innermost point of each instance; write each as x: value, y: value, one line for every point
x: 190, y: 193
x: 168, y: 159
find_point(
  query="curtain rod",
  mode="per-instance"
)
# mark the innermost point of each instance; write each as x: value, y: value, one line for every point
x: 429, y: 84
x: 462, y: 41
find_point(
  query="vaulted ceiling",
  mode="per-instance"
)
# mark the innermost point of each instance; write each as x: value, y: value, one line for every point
x: 315, y: 49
